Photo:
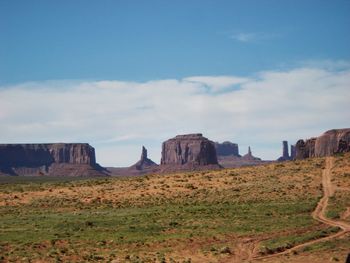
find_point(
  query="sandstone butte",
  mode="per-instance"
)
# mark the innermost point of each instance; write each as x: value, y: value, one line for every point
x: 187, y: 152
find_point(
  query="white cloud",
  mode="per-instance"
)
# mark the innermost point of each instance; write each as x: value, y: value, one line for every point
x: 117, y: 117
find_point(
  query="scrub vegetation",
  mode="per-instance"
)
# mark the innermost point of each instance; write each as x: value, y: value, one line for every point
x: 198, y: 216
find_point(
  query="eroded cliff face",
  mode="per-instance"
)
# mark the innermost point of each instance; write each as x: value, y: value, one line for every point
x: 189, y: 149
x: 48, y: 159
x: 333, y: 141
x: 329, y: 143
x: 305, y: 149
x: 77, y: 153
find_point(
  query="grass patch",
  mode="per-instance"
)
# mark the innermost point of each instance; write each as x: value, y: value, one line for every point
x: 152, y: 223
x: 338, y: 204
x: 282, y: 243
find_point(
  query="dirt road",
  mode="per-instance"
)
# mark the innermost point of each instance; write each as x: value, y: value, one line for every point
x: 328, y: 191
x: 319, y: 213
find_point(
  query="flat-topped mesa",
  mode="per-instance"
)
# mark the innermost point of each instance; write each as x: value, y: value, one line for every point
x: 227, y: 149
x: 329, y: 143
x: 189, y: 149
x: 190, y: 136
x: 49, y: 158
x: 46, y: 154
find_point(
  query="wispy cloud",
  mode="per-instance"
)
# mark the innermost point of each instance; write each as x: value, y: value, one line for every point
x: 217, y: 83
x: 251, y: 37
x: 118, y: 117
x: 244, y: 37
x: 326, y: 64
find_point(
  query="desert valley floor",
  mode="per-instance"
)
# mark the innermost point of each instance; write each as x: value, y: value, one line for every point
x: 296, y: 211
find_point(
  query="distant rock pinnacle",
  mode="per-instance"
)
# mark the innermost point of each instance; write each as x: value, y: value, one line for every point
x: 144, y: 161
x: 144, y: 153
x: 285, y: 153
x: 249, y: 155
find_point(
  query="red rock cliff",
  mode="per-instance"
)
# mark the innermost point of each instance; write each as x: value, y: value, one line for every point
x: 329, y: 143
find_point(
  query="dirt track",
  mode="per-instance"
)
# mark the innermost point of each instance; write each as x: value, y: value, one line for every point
x: 328, y: 191
x: 319, y: 213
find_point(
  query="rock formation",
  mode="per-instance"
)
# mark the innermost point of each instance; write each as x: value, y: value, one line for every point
x: 329, y: 143
x: 236, y: 160
x: 143, y: 166
x: 189, y: 149
x: 77, y: 159
x: 249, y: 156
x: 227, y: 149
x: 292, y: 152
x: 285, y: 154
x: 305, y: 149
x: 144, y: 161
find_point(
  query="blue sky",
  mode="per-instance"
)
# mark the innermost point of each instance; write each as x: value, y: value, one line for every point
x: 139, y: 72
x: 144, y: 40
